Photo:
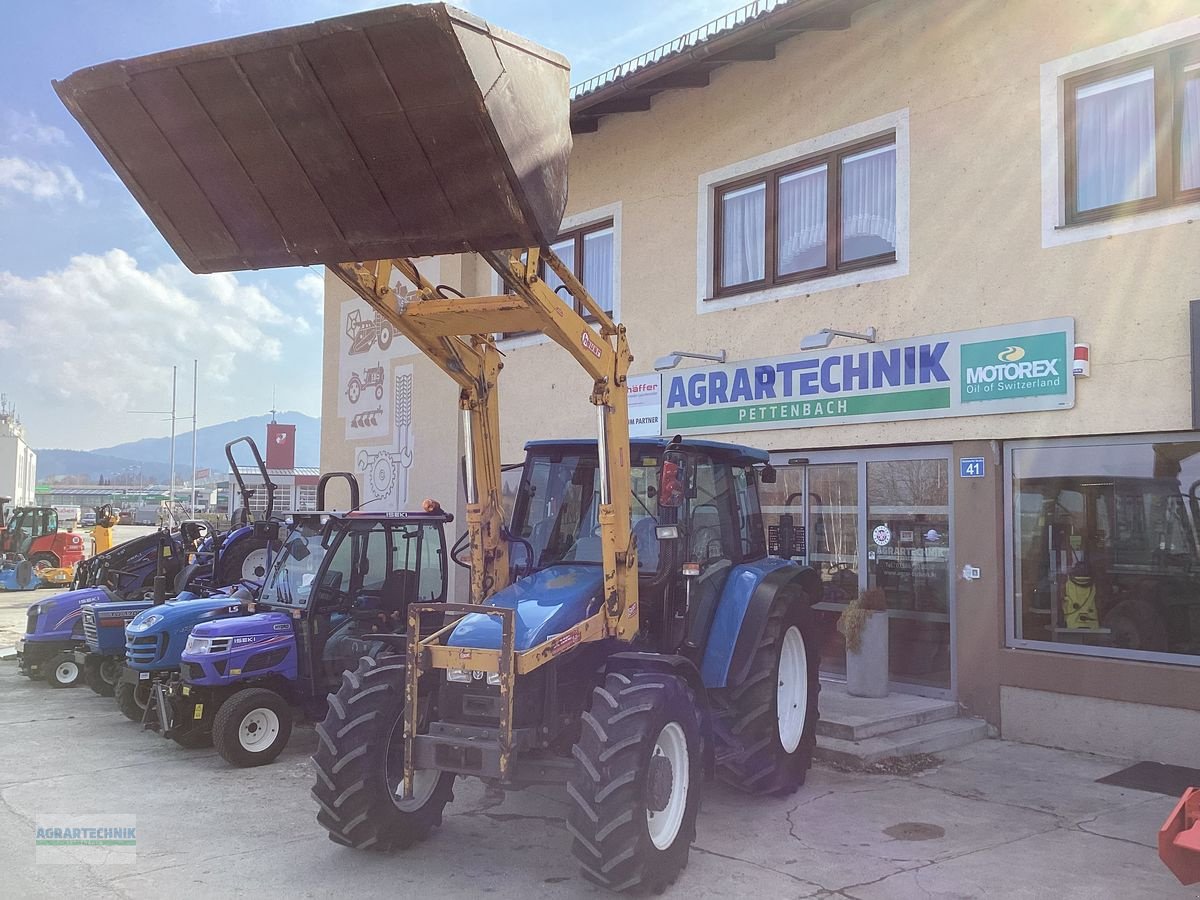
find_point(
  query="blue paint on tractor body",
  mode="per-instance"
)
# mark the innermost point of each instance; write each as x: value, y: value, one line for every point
x: 155, y: 638
x: 258, y: 645
x: 547, y: 603
x: 743, y: 581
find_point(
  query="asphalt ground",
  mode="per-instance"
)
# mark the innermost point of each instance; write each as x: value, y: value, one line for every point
x: 995, y: 819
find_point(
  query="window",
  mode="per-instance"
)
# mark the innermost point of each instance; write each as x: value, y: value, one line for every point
x: 306, y: 497
x: 1132, y: 135
x: 1105, y: 549
x: 589, y: 251
x: 829, y: 213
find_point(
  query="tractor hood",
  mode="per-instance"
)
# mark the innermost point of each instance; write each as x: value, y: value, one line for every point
x: 174, y: 614
x: 547, y: 603
x: 61, y: 613
x: 257, y: 625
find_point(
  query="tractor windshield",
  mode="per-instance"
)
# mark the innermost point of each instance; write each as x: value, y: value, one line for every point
x: 292, y: 577
x: 556, y: 512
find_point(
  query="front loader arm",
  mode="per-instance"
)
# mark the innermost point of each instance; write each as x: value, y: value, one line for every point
x: 457, y: 333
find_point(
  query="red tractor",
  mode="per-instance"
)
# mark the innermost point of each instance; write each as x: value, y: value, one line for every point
x: 32, y: 532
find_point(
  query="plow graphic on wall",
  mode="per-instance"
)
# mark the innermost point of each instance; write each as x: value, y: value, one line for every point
x: 384, y: 470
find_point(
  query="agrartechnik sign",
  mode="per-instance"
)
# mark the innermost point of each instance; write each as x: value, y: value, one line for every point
x: 1012, y: 368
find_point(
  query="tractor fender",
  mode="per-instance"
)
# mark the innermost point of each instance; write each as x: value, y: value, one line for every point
x: 640, y: 661
x: 746, y: 601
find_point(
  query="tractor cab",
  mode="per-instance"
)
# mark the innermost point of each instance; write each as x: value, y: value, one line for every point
x: 696, y: 516
x: 24, y: 525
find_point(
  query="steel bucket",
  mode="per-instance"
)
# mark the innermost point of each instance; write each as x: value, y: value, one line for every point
x: 407, y: 131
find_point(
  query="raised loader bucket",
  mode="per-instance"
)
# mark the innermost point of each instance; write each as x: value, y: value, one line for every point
x: 407, y: 131
x: 1179, y: 838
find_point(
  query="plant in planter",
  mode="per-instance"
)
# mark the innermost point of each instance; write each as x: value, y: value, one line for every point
x: 864, y: 624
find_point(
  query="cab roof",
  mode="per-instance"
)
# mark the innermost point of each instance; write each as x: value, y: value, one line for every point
x: 735, y: 454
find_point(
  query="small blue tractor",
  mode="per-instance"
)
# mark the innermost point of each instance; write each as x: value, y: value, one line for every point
x: 204, y: 564
x: 341, y: 581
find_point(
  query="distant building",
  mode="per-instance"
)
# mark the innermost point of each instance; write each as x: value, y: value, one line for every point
x: 296, y: 485
x: 18, y: 463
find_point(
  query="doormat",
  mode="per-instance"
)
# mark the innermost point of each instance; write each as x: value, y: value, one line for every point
x: 1154, y: 777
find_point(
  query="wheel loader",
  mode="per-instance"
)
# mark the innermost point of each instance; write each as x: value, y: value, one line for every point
x: 626, y: 636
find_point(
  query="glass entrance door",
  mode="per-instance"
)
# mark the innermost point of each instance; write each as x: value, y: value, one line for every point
x: 874, y: 520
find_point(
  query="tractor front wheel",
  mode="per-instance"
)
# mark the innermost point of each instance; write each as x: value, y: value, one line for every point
x: 43, y: 561
x: 360, y: 765
x: 252, y: 727
x: 101, y: 675
x: 62, y: 671
x: 132, y: 699
x: 636, y: 783
x: 771, y: 717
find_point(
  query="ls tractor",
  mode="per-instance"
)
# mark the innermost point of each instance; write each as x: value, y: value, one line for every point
x: 644, y: 640
x: 342, y: 585
x: 238, y: 556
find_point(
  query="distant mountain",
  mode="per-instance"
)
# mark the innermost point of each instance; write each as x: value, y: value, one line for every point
x: 151, y: 455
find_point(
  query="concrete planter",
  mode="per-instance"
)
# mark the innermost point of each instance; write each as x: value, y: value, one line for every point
x: 867, y: 667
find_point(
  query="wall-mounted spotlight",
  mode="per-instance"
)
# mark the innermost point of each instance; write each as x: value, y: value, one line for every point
x: 672, y: 359
x: 825, y: 336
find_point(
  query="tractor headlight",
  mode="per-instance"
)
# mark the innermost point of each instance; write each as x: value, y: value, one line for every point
x: 35, y: 610
x: 459, y: 675
x: 493, y: 678
x: 198, y: 645
x: 149, y: 622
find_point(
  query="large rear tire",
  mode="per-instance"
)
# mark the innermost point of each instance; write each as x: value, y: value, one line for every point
x: 252, y: 727
x: 246, y: 561
x: 771, y: 717
x: 360, y: 762
x: 636, y: 784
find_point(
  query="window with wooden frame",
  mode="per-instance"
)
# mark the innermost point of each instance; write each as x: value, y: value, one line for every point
x: 1132, y: 135
x: 588, y: 250
x: 829, y: 213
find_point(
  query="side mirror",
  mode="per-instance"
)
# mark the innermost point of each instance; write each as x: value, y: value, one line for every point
x: 769, y: 474
x: 672, y: 479
x: 298, y: 548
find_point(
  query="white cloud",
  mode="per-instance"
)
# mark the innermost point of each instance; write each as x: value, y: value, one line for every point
x: 313, y: 286
x: 40, y: 182
x: 99, y: 336
x: 27, y: 128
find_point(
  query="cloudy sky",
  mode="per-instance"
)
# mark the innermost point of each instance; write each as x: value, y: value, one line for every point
x: 94, y: 306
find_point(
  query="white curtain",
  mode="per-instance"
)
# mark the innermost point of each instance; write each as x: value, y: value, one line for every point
x: 1114, y: 141
x: 743, y: 220
x: 1189, y: 146
x: 598, y: 267
x: 869, y: 201
x: 803, y: 220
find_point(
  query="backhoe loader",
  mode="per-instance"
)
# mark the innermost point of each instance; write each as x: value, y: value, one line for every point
x: 626, y: 634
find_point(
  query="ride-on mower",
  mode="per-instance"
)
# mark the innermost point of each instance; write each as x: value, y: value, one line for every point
x: 622, y: 666
x: 341, y: 580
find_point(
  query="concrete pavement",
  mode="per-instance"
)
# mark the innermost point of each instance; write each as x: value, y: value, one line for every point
x: 993, y: 820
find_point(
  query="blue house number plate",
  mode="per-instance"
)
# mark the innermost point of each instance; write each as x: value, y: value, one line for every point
x: 970, y: 467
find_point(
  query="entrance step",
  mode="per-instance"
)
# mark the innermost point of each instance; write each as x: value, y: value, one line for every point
x: 932, y: 737
x: 857, y: 718
x: 860, y: 731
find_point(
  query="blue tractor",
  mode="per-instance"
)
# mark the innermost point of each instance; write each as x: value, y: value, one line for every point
x: 340, y: 582
x: 204, y: 563
x: 722, y: 676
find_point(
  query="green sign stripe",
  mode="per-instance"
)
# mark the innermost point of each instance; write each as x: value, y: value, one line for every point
x: 799, y: 410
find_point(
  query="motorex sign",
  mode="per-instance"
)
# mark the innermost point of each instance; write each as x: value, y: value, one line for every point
x: 1011, y: 368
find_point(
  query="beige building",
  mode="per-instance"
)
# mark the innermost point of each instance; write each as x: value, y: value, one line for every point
x: 978, y: 186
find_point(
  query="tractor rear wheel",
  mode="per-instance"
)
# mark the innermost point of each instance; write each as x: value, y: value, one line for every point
x: 360, y: 764
x: 62, y: 671
x: 252, y: 727
x: 132, y: 699
x: 247, y: 561
x: 636, y: 783
x: 101, y: 675
x: 771, y: 717
x: 43, y: 561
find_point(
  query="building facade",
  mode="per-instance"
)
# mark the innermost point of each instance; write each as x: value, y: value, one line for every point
x: 18, y: 463
x: 999, y: 196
